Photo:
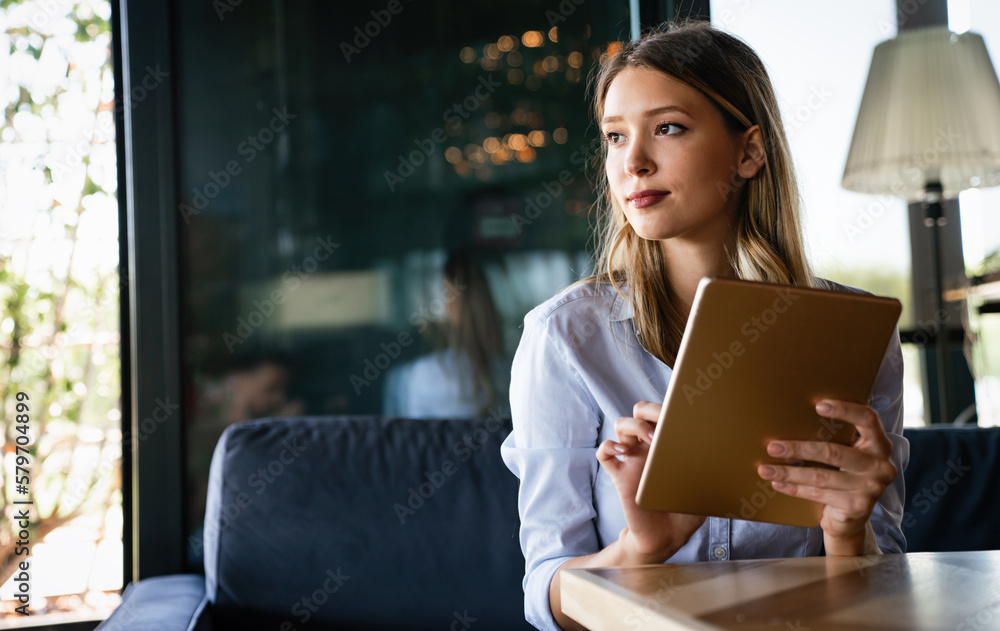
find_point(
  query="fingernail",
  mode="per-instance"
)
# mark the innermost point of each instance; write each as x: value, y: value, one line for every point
x: 766, y: 471
x: 823, y: 407
x: 778, y: 485
x: 650, y: 434
x: 775, y: 449
x: 619, y: 448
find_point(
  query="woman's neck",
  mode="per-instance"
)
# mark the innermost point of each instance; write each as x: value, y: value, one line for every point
x: 687, y: 263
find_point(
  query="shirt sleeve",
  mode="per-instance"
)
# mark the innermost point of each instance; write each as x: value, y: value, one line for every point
x: 887, y: 400
x: 552, y: 450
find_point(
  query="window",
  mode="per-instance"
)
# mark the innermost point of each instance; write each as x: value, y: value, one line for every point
x: 353, y: 183
x: 60, y: 373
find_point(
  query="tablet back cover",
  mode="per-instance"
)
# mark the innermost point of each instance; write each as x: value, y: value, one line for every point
x: 754, y: 360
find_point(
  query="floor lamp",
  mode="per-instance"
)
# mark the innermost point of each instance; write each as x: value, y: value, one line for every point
x: 928, y: 127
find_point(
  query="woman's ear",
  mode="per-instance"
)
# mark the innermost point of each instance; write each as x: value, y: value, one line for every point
x: 752, y: 156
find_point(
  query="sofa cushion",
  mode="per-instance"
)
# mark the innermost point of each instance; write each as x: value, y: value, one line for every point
x: 364, y: 522
x: 952, y: 486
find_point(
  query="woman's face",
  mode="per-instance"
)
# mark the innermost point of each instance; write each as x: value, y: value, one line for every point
x: 666, y: 138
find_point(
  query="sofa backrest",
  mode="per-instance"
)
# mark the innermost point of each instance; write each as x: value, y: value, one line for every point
x: 363, y: 522
x: 952, y: 489
x: 368, y: 522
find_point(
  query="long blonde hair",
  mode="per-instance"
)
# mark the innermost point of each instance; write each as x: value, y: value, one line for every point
x: 768, y: 233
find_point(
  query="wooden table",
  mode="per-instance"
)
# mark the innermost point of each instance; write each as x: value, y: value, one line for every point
x: 957, y: 591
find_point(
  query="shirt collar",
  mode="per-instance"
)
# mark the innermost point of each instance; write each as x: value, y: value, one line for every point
x: 621, y: 309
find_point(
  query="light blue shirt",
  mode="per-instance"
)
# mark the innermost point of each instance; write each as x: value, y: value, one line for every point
x: 578, y: 368
x: 440, y: 385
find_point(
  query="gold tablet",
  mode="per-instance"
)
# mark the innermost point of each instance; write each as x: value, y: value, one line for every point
x: 754, y: 360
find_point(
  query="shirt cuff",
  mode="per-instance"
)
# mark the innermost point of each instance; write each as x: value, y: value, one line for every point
x: 536, y: 594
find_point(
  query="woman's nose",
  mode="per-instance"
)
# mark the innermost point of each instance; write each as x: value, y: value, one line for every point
x: 637, y: 159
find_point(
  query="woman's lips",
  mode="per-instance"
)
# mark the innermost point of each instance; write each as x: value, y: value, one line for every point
x: 648, y: 200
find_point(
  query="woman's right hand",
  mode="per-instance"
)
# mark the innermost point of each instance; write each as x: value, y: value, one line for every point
x: 651, y: 536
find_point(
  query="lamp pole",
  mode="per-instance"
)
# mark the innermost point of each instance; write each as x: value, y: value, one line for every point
x: 934, y: 219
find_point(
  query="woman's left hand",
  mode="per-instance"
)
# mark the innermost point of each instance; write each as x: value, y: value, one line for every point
x: 849, y: 493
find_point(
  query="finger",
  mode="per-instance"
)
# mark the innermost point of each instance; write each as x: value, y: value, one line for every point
x: 839, y: 456
x: 865, y: 419
x: 607, y: 454
x: 647, y: 411
x: 641, y: 430
x: 818, y: 477
x: 849, y: 505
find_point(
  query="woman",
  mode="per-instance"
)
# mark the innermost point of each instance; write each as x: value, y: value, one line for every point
x: 698, y: 182
x: 470, y: 374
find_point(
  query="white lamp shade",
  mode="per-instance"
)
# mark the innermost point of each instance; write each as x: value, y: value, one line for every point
x: 930, y: 112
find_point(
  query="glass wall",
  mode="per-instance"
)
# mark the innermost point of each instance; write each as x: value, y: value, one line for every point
x: 373, y: 195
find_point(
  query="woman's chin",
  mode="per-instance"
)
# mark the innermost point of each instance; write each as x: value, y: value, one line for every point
x: 655, y: 233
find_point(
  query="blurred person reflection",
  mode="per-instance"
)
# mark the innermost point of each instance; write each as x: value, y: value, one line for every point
x: 257, y: 389
x: 252, y: 387
x: 470, y: 375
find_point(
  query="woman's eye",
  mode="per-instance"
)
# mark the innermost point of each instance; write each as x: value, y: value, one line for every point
x: 667, y: 126
x: 612, y: 137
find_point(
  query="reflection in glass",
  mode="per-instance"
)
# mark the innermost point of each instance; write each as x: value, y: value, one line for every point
x: 332, y: 175
x: 470, y: 374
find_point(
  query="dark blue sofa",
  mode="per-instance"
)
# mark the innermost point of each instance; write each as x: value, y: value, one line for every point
x: 372, y: 523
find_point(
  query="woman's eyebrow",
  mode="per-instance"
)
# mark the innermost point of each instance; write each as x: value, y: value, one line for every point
x: 653, y: 112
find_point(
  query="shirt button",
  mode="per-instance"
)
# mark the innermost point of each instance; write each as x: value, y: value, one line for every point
x: 719, y: 552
